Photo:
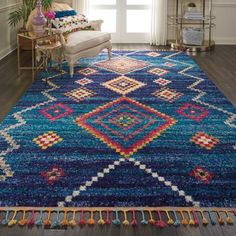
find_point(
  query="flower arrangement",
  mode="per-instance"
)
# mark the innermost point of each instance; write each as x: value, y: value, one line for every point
x: 50, y: 15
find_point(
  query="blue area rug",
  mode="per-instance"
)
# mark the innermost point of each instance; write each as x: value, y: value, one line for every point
x: 144, y: 129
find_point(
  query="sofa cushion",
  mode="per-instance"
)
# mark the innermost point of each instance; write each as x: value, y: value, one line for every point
x: 82, y: 40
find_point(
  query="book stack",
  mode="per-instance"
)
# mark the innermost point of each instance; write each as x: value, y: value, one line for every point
x: 193, y: 15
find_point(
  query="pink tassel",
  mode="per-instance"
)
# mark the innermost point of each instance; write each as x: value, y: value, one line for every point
x: 32, y: 219
x: 82, y: 222
x: 160, y: 223
x: 134, y: 220
x: 108, y: 221
x: 196, y: 222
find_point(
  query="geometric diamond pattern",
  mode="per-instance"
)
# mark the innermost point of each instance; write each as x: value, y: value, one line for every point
x: 123, y: 85
x: 125, y: 125
x: 53, y: 175
x: 87, y: 71
x: 169, y: 95
x: 158, y: 71
x: 204, y: 140
x: 84, y: 81
x: 162, y: 82
x: 80, y: 94
x: 193, y: 112
x: 201, y: 174
x: 47, y: 140
x: 153, y: 54
x: 123, y: 65
x: 56, y: 111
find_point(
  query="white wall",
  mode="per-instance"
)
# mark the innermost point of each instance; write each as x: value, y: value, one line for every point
x: 7, y: 34
x: 225, y: 13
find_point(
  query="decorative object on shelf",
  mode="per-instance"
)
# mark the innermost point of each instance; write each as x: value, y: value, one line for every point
x: 39, y: 20
x: 50, y: 15
x: 192, y: 26
x: 192, y: 6
x: 22, y: 13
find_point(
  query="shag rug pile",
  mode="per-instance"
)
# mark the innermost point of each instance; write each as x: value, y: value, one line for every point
x: 146, y: 129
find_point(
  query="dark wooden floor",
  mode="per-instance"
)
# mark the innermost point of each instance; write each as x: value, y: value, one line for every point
x: 219, y: 65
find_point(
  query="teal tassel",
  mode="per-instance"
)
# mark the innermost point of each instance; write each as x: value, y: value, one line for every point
x: 6, y: 220
x: 177, y: 222
x: 57, y: 223
x: 213, y: 222
x: 143, y: 222
x: 39, y: 222
x: 117, y: 220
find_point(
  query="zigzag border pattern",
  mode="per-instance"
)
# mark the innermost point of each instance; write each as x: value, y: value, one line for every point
x: 192, y: 87
x: 21, y: 121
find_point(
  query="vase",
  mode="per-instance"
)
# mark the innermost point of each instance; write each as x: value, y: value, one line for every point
x: 39, y: 20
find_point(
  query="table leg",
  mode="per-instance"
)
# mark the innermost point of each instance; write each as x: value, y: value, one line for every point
x: 33, y: 60
x: 18, y: 56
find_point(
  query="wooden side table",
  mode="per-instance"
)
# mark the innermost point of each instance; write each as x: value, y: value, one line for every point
x: 33, y: 41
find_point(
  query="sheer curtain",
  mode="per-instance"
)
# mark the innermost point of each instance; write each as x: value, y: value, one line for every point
x: 159, y: 22
x: 81, y: 6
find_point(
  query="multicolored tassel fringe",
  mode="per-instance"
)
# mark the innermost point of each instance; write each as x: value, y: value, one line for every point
x: 72, y: 217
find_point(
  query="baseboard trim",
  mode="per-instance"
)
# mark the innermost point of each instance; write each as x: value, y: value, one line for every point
x: 7, y: 51
x: 225, y: 41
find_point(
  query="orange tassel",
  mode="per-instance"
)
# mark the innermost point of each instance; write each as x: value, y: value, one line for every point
x: 64, y: 221
x: 184, y: 220
x: 151, y: 220
x: 91, y: 221
x: 204, y: 220
x: 23, y: 221
x: 220, y: 219
x: 47, y: 222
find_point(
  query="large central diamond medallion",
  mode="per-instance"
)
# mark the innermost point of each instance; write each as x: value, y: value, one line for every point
x: 125, y: 125
x: 123, y: 85
x: 123, y: 65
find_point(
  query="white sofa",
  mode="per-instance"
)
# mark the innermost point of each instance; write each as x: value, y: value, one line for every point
x: 80, y: 44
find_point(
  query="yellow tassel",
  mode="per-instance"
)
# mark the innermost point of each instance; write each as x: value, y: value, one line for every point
x: 125, y: 222
x: 184, y: 220
x: 13, y: 221
x: 72, y: 222
x: 47, y: 222
x: 101, y: 221
x: 170, y: 221
x: 191, y: 221
x: 229, y: 220
x: 23, y: 221
x: 151, y: 220
x: 91, y: 221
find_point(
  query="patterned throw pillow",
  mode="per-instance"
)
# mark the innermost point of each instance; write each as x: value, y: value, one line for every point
x: 72, y: 23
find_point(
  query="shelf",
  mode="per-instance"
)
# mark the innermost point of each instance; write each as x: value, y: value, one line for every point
x: 206, y: 46
x: 206, y: 18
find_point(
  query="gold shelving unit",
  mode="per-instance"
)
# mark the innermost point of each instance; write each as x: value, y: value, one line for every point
x: 178, y: 22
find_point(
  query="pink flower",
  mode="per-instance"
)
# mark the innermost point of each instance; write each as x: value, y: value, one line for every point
x: 50, y: 15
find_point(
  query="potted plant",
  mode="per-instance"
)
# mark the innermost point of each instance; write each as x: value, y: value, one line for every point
x: 22, y: 13
x: 192, y: 6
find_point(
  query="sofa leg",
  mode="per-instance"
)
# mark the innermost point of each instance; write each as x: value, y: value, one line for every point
x: 109, y: 52
x: 71, y: 70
